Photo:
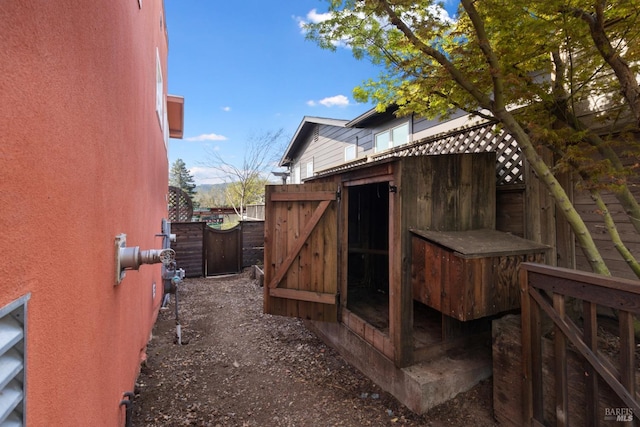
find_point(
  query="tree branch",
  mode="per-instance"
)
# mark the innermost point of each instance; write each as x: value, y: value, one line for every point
x: 628, y: 83
x: 454, y: 72
x: 489, y: 54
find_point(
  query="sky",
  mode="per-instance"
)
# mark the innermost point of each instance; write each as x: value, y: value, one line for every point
x: 245, y: 69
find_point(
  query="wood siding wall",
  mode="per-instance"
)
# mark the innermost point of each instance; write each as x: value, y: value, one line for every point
x: 593, y: 219
x: 325, y: 147
x: 510, y: 205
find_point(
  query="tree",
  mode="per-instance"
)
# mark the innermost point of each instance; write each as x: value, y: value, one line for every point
x: 210, y: 197
x: 179, y: 176
x: 494, y: 62
x: 242, y: 195
x: 246, y: 181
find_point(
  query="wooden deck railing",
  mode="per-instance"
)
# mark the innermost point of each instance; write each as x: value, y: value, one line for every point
x: 545, y: 289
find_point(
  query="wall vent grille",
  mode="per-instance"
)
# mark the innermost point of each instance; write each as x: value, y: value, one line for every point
x: 12, y: 357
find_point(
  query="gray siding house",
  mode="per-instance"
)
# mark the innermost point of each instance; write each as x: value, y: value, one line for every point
x: 320, y: 144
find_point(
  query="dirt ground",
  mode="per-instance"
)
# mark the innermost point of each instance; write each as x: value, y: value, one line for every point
x: 240, y: 367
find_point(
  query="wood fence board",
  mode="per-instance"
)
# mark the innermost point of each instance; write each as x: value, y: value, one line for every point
x: 189, y: 247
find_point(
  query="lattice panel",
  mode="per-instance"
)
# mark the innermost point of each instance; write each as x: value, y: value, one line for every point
x: 180, y: 205
x: 475, y: 139
x: 486, y: 137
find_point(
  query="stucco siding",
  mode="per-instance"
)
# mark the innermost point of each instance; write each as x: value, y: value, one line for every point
x: 83, y: 159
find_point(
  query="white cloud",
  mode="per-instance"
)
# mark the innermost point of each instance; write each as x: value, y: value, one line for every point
x: 313, y: 17
x: 207, y: 137
x: 204, y: 175
x: 227, y: 109
x: 331, y: 101
x: 316, y: 17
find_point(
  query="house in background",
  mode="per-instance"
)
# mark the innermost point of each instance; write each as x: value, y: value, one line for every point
x: 83, y: 156
x: 400, y: 241
x: 320, y: 143
x: 321, y: 147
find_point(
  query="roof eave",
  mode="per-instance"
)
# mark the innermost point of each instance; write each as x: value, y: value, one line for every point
x: 306, y: 122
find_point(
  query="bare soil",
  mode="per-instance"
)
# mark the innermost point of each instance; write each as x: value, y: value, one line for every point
x: 240, y: 367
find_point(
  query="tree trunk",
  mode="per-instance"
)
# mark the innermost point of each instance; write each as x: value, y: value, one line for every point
x: 561, y: 198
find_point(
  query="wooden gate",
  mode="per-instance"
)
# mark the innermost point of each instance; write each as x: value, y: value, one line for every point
x: 222, y: 251
x: 544, y: 289
x: 301, y: 251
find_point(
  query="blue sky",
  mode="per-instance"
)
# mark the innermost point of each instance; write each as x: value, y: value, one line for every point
x: 245, y: 68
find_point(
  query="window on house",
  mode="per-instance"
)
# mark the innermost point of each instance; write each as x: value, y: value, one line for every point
x: 12, y: 359
x: 393, y: 137
x: 296, y: 175
x: 349, y: 153
x: 310, y: 169
x: 159, y: 90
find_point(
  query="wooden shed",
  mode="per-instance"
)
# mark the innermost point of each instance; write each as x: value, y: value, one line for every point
x: 339, y: 249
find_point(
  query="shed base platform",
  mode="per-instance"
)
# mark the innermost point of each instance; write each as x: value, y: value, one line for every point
x: 421, y: 386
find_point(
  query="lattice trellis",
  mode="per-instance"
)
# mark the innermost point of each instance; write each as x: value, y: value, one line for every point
x: 476, y: 139
x: 180, y: 205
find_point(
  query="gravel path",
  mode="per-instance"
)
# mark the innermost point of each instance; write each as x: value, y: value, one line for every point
x: 240, y: 367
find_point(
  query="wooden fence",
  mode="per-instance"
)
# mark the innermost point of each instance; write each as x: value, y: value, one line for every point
x: 252, y: 243
x: 190, y: 248
x: 610, y: 385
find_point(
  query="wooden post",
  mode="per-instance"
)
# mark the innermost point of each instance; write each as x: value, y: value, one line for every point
x: 560, y: 350
x: 591, y: 378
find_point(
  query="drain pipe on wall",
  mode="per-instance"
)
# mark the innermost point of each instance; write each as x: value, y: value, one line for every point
x: 127, y: 402
x: 171, y: 276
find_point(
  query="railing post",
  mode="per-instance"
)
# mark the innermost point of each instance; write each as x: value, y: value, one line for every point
x: 590, y: 325
x: 532, y: 403
x: 525, y: 317
x: 560, y: 357
x: 627, y: 352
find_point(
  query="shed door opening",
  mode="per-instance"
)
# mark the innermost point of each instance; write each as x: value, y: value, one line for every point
x: 368, y: 254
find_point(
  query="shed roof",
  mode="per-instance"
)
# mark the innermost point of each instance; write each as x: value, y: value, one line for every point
x: 481, y: 243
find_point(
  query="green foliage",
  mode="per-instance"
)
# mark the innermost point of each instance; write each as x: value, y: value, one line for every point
x: 553, y: 73
x: 179, y: 176
x: 246, y: 193
x: 210, y: 196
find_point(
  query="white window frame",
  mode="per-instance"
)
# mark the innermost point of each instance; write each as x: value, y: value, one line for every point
x: 392, y: 144
x: 350, y: 152
x: 160, y: 101
x: 310, y: 169
x: 296, y: 174
x: 13, y: 331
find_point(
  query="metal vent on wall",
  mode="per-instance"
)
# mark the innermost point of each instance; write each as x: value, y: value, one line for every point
x: 12, y: 357
x: 316, y: 133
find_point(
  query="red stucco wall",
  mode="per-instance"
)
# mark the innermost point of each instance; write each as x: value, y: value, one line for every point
x: 82, y: 159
